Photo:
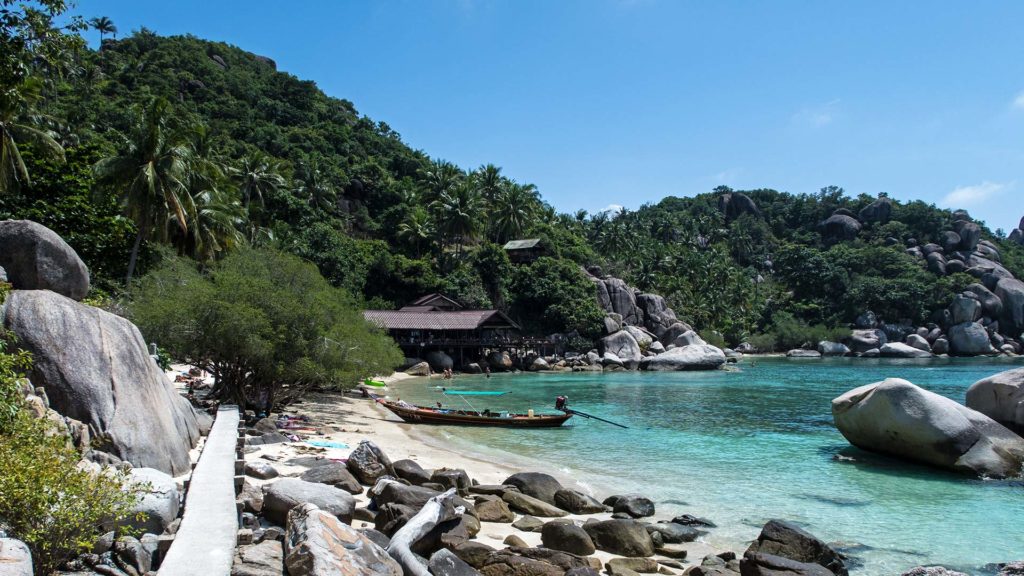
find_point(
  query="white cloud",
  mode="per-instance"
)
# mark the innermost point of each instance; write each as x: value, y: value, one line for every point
x: 611, y: 209
x: 975, y: 194
x: 728, y: 176
x: 818, y: 116
x: 1018, y: 102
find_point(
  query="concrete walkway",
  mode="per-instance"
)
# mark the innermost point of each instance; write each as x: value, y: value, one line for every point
x: 205, y: 542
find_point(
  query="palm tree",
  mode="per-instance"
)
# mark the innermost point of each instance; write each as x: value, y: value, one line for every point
x: 216, y: 226
x: 458, y: 214
x: 441, y: 178
x: 312, y: 185
x: 103, y: 25
x: 256, y: 175
x: 488, y: 181
x: 512, y: 210
x: 18, y: 127
x: 151, y: 174
x: 416, y: 229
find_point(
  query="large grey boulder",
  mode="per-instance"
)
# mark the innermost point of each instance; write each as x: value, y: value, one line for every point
x: 577, y: 503
x: 1001, y: 398
x: 368, y: 463
x: 991, y: 305
x: 866, y: 339
x: 1011, y: 292
x: 614, y: 295
x: 317, y: 544
x: 786, y: 540
x: 735, y: 204
x: 96, y: 369
x: 158, y: 503
x: 15, y: 558
x: 826, y: 348
x: 898, y: 418
x: 694, y: 357
x: 281, y: 496
x: 839, y: 227
x: 537, y: 484
x: 334, y: 474
x: 900, y: 350
x: 802, y: 353
x: 970, y: 234
x: 658, y: 317
x: 969, y: 339
x: 624, y: 347
x: 919, y: 342
x: 965, y: 309
x: 36, y: 258
x: 566, y: 536
x: 439, y: 361
x: 533, y: 506
x: 687, y: 338
x: 622, y: 537
x: 643, y: 338
x: 760, y: 564
x: 878, y: 211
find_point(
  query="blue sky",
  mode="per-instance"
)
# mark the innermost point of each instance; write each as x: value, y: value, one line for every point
x: 622, y: 102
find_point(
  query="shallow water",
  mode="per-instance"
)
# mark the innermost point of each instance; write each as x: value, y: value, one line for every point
x: 740, y: 447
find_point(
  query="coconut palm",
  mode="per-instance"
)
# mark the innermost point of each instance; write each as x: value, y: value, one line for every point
x: 256, y: 175
x: 442, y: 177
x: 19, y: 127
x: 416, y: 229
x: 512, y: 210
x: 103, y: 25
x: 151, y: 173
x: 457, y: 212
x: 488, y: 181
x: 216, y: 226
x: 312, y: 185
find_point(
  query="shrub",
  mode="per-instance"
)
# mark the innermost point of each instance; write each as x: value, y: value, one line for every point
x: 787, y: 332
x: 57, y: 509
x: 266, y: 324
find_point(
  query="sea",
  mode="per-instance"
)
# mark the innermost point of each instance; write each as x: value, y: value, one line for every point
x: 752, y: 443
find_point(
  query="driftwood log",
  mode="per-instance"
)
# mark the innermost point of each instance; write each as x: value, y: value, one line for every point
x: 440, y: 508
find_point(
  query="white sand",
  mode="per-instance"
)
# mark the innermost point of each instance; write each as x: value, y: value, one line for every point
x: 349, y: 420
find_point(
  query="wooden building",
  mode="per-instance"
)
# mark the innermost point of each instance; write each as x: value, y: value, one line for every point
x: 524, y: 251
x: 436, y: 322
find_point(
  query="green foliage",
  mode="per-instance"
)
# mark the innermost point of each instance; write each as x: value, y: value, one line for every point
x: 57, y: 509
x: 561, y: 292
x: 267, y: 325
x: 787, y: 333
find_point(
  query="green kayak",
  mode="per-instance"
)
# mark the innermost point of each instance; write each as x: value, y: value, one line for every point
x: 374, y: 383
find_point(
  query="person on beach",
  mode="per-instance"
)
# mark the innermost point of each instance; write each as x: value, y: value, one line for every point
x: 487, y: 371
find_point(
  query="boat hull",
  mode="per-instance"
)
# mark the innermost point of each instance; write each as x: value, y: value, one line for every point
x: 418, y: 415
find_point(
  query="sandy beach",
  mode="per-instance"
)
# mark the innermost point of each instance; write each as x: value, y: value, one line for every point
x: 347, y: 420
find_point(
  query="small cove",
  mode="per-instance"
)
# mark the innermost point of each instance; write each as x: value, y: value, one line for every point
x: 740, y: 447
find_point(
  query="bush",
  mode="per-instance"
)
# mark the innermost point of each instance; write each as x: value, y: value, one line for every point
x: 267, y: 325
x: 555, y: 296
x: 787, y: 333
x: 46, y: 501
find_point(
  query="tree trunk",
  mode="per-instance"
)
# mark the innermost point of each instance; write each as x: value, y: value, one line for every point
x: 438, y: 509
x: 134, y: 256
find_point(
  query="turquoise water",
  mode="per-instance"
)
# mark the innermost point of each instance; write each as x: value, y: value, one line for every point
x: 740, y: 447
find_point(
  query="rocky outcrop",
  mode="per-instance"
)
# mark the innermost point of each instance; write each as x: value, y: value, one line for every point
x: 861, y: 341
x: 613, y: 295
x: 95, y: 368
x: 1001, y: 398
x: 1011, y: 293
x: 499, y: 361
x: 36, y: 258
x: 969, y: 339
x: 317, y: 544
x: 658, y: 317
x: 624, y: 347
x: 735, y: 204
x: 439, y: 361
x: 786, y: 540
x: 898, y: 418
x: 694, y: 357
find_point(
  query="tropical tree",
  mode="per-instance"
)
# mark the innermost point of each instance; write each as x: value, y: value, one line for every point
x: 312, y: 185
x: 103, y: 25
x: 216, y: 226
x: 457, y: 212
x: 441, y: 178
x: 256, y: 176
x: 488, y: 181
x: 512, y: 210
x: 416, y: 229
x: 19, y: 127
x: 151, y: 174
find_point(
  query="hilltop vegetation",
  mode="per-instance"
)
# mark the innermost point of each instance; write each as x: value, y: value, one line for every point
x: 238, y: 153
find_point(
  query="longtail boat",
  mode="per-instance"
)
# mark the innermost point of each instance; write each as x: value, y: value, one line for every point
x: 427, y: 415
